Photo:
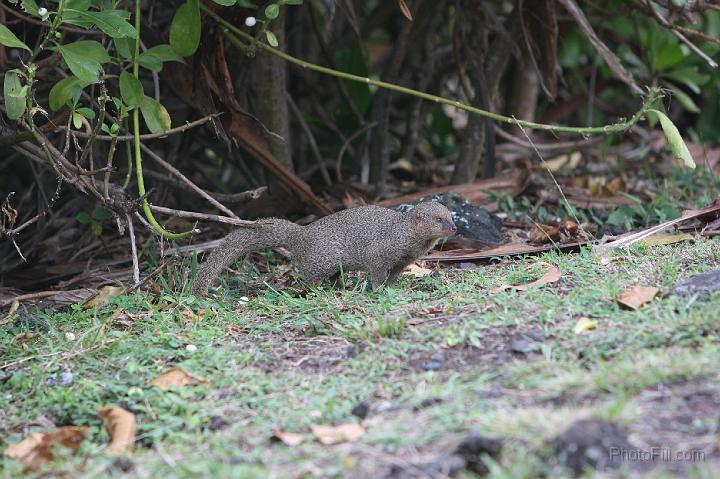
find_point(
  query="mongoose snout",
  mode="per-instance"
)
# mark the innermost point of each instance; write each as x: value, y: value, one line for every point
x: 377, y: 240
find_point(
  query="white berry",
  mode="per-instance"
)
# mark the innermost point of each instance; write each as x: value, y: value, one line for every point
x: 70, y: 336
x: 250, y: 21
x: 42, y: 11
x: 191, y: 348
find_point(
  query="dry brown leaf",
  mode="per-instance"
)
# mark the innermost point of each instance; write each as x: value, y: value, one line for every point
x: 175, y: 378
x: 102, y: 296
x: 635, y: 297
x: 346, y: 432
x: 544, y: 234
x: 13, y: 309
x: 122, y: 427
x: 291, y: 439
x: 665, y: 239
x: 405, y: 10
x: 418, y: 271
x: 552, y: 275
x: 37, y: 447
x: 189, y: 316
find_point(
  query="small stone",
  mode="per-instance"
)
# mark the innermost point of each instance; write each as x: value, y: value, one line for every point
x: 361, y: 409
x: 354, y: 349
x: 431, y: 366
x: 475, y: 446
x: 191, y: 348
x: 70, y: 336
x: 124, y: 464
x: 438, y: 357
x: 66, y: 378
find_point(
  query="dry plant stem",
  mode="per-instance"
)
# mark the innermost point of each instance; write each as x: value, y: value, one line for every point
x: 151, y: 136
x: 678, y: 32
x: 202, y: 216
x: 563, y: 145
x: 233, y: 32
x: 106, y: 179
x: 152, y: 273
x: 133, y: 249
x: 192, y: 185
x: 346, y: 144
x: 311, y: 139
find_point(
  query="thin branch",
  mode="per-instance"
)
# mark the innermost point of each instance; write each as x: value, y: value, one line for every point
x: 311, y: 139
x: 202, y: 216
x: 346, y: 144
x: 151, y: 136
x: 192, y: 185
x: 133, y: 250
x: 230, y: 31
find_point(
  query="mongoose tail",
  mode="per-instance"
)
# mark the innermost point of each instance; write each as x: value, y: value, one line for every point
x: 270, y: 233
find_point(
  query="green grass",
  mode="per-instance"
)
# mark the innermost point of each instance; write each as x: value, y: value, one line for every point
x: 280, y: 361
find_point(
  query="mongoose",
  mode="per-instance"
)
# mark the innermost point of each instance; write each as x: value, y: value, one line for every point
x: 377, y: 240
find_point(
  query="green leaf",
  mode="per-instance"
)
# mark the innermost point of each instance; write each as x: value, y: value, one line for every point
x: 14, y: 98
x: 9, y: 39
x: 293, y: 2
x: 84, y: 58
x: 125, y: 47
x: 29, y: 6
x: 185, y: 29
x: 83, y: 217
x: 86, y: 112
x: 101, y: 214
x: 272, y: 11
x: 684, y: 99
x: 155, y: 115
x: 112, y: 22
x: 96, y: 228
x: 225, y: 3
x: 131, y: 90
x: 153, y: 58
x: 65, y: 90
x: 246, y: 4
x: 271, y: 38
x: 677, y: 145
x: 77, y: 119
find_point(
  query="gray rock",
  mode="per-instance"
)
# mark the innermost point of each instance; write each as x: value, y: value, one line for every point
x: 472, y: 221
x: 700, y: 284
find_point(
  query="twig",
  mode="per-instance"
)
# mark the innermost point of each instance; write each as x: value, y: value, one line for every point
x: 184, y: 178
x: 202, y: 216
x: 151, y: 136
x: 133, y: 250
x: 311, y: 139
x: 676, y: 30
x: 563, y: 145
x: 154, y: 272
x: 346, y: 144
x: 234, y: 32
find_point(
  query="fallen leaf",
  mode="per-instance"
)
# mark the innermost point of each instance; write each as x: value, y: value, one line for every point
x: 584, y: 324
x: 122, y: 427
x: 635, y: 297
x: 405, y: 10
x: 346, y: 432
x: 665, y: 239
x: 544, y: 234
x: 13, y: 309
x: 175, y: 378
x: 291, y: 439
x: 189, y: 316
x: 37, y: 447
x: 418, y: 271
x: 102, y: 296
x: 552, y: 275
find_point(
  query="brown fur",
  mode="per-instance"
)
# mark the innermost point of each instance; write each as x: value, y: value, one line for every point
x: 374, y: 239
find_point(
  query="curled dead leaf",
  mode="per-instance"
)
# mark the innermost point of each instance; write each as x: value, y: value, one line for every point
x: 665, y: 239
x: 405, y: 10
x: 175, y: 378
x: 38, y: 447
x: 291, y: 439
x: 552, y: 275
x: 418, y: 271
x: 637, y: 296
x: 346, y: 432
x: 544, y: 234
x: 122, y: 427
x: 102, y: 296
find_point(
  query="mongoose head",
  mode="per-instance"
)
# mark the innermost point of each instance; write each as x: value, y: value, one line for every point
x: 433, y: 219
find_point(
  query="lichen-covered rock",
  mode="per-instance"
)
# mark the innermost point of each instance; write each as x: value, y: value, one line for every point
x: 472, y: 221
